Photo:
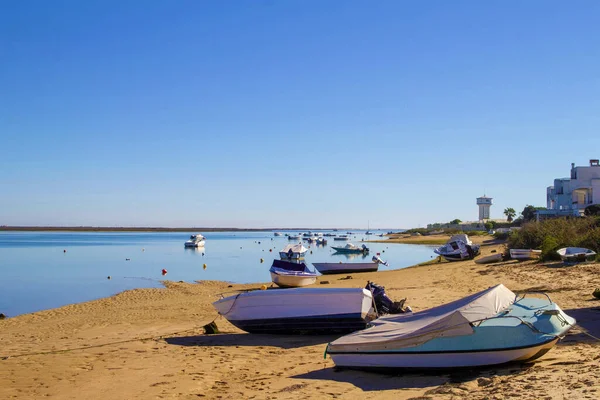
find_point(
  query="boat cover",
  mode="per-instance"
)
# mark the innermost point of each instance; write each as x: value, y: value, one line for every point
x: 395, y: 332
x: 296, y: 248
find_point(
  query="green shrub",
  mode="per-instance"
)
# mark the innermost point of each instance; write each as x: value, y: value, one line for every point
x: 553, y: 234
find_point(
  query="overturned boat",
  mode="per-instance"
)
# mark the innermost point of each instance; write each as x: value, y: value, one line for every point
x: 299, y: 310
x: 491, y: 327
x: 291, y: 274
x: 576, y: 254
x: 344, y: 268
x: 457, y: 248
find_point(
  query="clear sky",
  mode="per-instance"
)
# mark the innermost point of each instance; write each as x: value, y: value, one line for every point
x: 291, y: 113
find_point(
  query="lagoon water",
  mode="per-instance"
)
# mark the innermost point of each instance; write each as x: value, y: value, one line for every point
x: 37, y: 274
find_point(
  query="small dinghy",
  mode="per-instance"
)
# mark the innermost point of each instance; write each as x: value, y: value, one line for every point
x: 299, y: 310
x: 351, y: 249
x: 576, y: 254
x: 291, y: 274
x: 525, y: 254
x: 457, y: 248
x: 490, y: 259
x: 491, y: 327
x: 293, y: 252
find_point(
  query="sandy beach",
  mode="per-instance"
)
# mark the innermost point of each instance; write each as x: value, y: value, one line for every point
x: 149, y: 343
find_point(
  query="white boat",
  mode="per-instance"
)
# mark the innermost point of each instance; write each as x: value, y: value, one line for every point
x: 458, y: 247
x: 277, y: 234
x: 291, y: 274
x: 293, y: 252
x: 299, y: 310
x: 487, y: 328
x: 525, y: 254
x: 490, y: 259
x: 196, y: 240
x: 321, y: 241
x: 576, y: 254
x: 350, y: 248
x: 342, y: 237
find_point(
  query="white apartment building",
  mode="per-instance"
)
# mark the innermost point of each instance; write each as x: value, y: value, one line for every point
x: 570, y: 196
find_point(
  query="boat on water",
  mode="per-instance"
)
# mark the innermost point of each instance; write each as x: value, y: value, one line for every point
x: 277, y: 234
x: 196, y: 240
x: 294, y: 237
x: 291, y: 274
x: 293, y: 252
x: 457, y: 248
x: 491, y: 327
x: 350, y: 248
x: 299, y: 310
x: 576, y: 254
x: 525, y: 254
x: 342, y: 237
x: 321, y: 241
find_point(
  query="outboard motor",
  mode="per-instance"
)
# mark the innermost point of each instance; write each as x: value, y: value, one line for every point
x: 384, y: 304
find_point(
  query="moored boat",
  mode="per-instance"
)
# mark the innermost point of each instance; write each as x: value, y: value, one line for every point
x: 290, y: 274
x: 196, y: 240
x: 343, y: 268
x: 342, y: 238
x: 525, y: 254
x: 293, y: 252
x: 350, y: 248
x: 299, y: 310
x: 576, y: 254
x: 491, y: 327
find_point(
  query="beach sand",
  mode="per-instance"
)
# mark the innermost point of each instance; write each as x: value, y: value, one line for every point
x: 149, y: 343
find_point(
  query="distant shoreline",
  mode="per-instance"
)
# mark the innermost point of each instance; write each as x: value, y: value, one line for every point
x: 150, y: 229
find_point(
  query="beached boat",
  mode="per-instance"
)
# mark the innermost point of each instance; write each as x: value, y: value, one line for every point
x: 576, y: 254
x: 487, y: 328
x: 350, y: 248
x: 196, y: 240
x: 293, y: 252
x: 343, y: 268
x: 299, y: 310
x: 525, y: 254
x: 290, y: 274
x: 458, y: 247
x: 490, y: 259
x: 342, y: 237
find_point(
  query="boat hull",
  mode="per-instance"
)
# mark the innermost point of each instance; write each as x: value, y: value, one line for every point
x: 285, y: 280
x: 195, y: 244
x: 303, y: 311
x: 441, y: 359
x: 343, y: 268
x: 349, y: 251
x: 525, y: 254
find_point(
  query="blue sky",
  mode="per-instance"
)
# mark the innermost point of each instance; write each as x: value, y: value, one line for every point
x: 290, y: 113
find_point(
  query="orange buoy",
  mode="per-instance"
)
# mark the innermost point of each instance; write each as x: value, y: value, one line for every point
x: 164, y: 271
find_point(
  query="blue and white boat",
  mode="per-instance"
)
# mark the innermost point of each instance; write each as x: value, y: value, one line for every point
x: 291, y: 274
x: 351, y: 249
x: 196, y: 240
x: 293, y: 252
x: 490, y: 327
x: 299, y: 310
x: 457, y: 248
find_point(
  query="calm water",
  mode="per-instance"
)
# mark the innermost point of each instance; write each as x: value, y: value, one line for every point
x: 37, y: 274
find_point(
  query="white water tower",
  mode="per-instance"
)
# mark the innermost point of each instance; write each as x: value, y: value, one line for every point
x: 484, y: 204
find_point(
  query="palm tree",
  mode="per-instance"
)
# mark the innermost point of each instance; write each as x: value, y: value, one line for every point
x: 510, y: 213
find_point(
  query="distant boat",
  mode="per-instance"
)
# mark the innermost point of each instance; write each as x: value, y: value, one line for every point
x: 299, y: 310
x: 321, y: 241
x: 196, y: 240
x: 525, y: 254
x: 291, y: 274
x: 277, y: 234
x: 293, y: 252
x: 294, y: 237
x: 345, y: 268
x: 350, y: 248
x: 576, y: 254
x: 342, y: 237
x: 491, y: 327
x: 458, y: 247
